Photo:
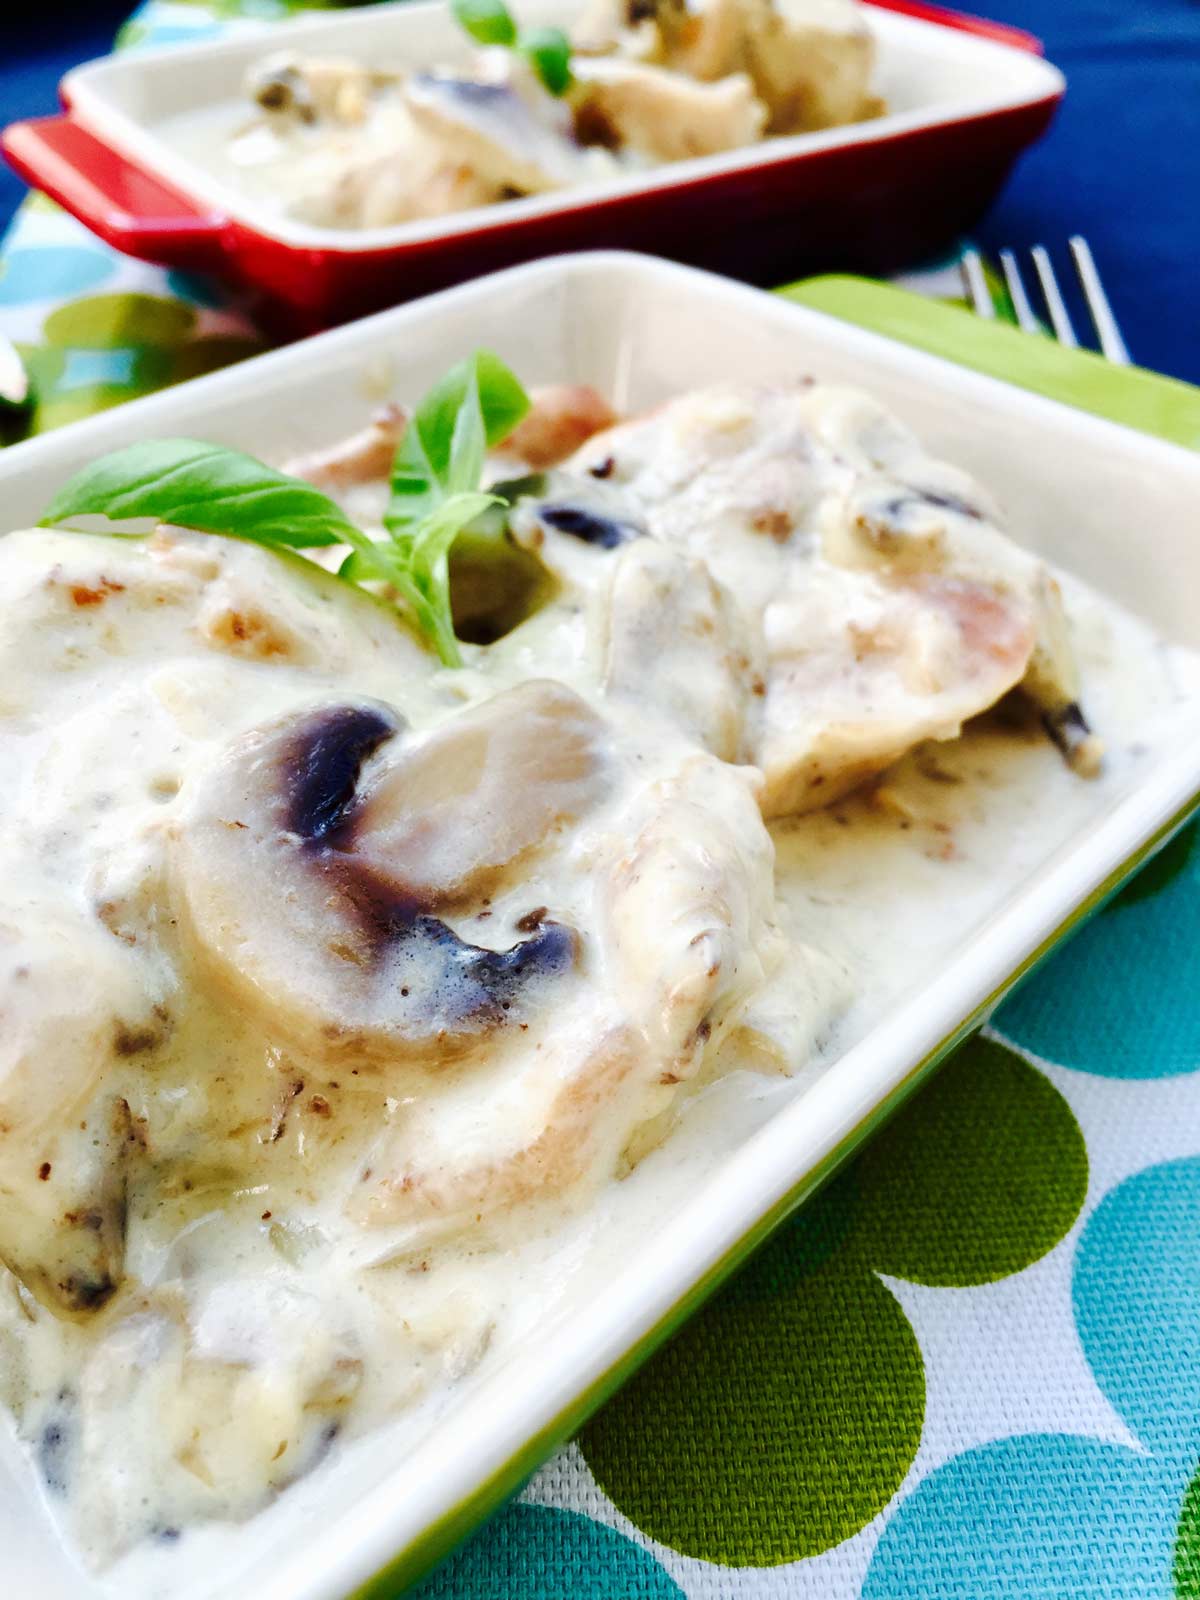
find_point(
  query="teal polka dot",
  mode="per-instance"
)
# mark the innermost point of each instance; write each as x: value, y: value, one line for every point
x: 201, y: 291
x: 1037, y: 1517
x: 1091, y: 1006
x: 51, y: 272
x: 539, y: 1553
x: 1136, y: 1295
x: 84, y: 367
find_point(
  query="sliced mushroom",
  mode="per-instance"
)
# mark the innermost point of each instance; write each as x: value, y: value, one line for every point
x: 682, y: 941
x: 313, y: 862
x: 311, y: 89
x: 519, y: 142
x: 442, y: 819
x: 1052, y: 683
x: 811, y: 64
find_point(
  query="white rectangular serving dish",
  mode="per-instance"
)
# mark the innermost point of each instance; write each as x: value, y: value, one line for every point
x: 964, y: 98
x: 1114, y: 506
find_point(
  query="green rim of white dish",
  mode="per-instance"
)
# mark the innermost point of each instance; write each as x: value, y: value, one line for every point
x: 440, y: 1538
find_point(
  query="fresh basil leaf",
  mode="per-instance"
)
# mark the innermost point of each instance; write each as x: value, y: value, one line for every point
x: 502, y: 398
x: 203, y: 486
x: 435, y: 493
x: 548, y: 51
x: 468, y: 444
x: 487, y: 21
x: 427, y: 466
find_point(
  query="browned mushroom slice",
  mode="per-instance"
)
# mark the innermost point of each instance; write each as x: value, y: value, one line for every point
x: 312, y: 888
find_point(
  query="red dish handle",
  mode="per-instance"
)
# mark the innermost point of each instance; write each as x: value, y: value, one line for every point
x: 126, y: 206
x: 1015, y: 38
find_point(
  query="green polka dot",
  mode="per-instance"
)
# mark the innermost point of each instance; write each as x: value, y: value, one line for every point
x: 976, y: 1178
x: 809, y: 1240
x: 199, y: 356
x: 1161, y: 870
x: 1186, y: 1568
x: 55, y: 411
x: 542, y: 1553
x: 785, y: 1416
x: 763, y: 1436
x: 102, y: 321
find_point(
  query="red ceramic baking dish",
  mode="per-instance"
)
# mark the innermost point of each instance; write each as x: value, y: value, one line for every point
x: 965, y: 97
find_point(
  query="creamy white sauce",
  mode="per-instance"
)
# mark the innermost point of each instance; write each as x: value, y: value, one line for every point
x: 360, y: 143
x: 262, y: 1335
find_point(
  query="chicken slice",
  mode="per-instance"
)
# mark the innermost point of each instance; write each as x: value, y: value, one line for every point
x: 809, y: 62
x: 72, y: 1005
x: 892, y: 606
x: 561, y: 417
x: 661, y: 115
x: 677, y: 639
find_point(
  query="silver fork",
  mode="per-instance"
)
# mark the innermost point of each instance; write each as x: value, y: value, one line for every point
x: 1108, y: 334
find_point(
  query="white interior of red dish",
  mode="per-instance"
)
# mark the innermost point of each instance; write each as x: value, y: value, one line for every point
x: 930, y: 76
x: 1111, y: 505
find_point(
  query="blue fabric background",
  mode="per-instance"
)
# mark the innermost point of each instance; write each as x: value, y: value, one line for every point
x: 1121, y: 165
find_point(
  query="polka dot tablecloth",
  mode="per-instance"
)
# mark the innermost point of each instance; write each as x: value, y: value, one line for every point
x: 970, y: 1369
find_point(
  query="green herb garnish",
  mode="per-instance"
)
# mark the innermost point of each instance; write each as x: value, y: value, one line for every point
x: 548, y: 50
x: 435, y: 493
x: 487, y: 21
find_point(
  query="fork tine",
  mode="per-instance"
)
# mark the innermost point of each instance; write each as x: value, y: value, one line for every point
x: 1016, y: 293
x: 976, y: 284
x: 1109, y: 335
x: 1060, y: 321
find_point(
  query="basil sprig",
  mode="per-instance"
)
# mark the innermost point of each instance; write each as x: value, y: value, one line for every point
x: 548, y: 50
x: 435, y: 493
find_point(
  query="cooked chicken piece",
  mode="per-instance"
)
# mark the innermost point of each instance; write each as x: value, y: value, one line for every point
x: 677, y: 640
x: 892, y: 606
x: 809, y: 61
x: 311, y: 89
x: 72, y: 1003
x: 660, y: 115
x: 362, y: 457
x: 392, y: 173
x: 562, y: 416
x: 811, y: 64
